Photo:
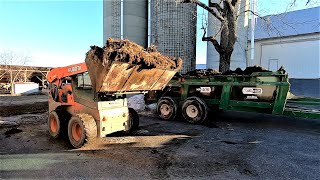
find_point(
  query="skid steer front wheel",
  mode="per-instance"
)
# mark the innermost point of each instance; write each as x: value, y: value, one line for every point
x: 54, y: 125
x: 81, y: 129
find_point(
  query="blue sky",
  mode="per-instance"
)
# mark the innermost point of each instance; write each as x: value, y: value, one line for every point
x: 54, y: 33
x: 59, y: 32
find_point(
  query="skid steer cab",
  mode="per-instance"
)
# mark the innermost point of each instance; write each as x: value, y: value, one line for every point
x: 78, y: 111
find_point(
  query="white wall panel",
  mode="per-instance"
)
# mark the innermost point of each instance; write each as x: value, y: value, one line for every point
x: 299, y: 58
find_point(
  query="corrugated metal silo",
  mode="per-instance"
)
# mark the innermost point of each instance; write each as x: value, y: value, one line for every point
x: 126, y: 19
x: 111, y: 19
x: 238, y: 58
x: 173, y: 30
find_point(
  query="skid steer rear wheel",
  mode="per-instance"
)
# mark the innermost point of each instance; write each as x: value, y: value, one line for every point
x: 167, y: 108
x: 54, y: 124
x: 81, y: 129
x: 194, y: 110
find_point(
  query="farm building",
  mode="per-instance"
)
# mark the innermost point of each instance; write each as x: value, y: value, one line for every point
x: 14, y: 73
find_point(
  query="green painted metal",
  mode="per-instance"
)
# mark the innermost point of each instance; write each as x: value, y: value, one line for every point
x: 211, y: 102
x: 185, y: 90
x: 305, y: 101
x: 297, y: 112
x: 250, y: 109
x: 225, y: 96
x: 251, y: 104
x: 280, y: 101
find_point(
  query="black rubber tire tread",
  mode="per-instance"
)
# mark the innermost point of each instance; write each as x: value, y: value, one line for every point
x: 56, y: 116
x: 133, y: 120
x: 201, y: 106
x: 89, y: 129
x: 169, y: 101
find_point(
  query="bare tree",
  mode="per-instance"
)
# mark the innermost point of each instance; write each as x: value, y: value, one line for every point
x: 11, y: 65
x: 227, y: 13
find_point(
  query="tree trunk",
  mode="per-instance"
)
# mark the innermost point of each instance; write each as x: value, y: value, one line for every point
x: 224, y: 64
x: 225, y: 51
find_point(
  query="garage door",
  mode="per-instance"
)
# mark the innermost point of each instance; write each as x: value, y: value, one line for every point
x: 300, y: 59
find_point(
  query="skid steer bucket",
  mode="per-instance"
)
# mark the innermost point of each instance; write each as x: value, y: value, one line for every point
x: 124, y: 77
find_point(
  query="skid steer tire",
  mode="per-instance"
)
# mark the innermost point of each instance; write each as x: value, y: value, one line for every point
x: 81, y: 129
x: 194, y: 110
x: 133, y: 121
x: 167, y: 108
x: 54, y: 125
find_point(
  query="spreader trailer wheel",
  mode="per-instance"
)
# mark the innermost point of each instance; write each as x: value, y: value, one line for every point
x: 194, y: 110
x: 167, y: 108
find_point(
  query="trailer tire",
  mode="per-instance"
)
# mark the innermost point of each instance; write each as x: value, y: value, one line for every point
x: 133, y: 121
x: 54, y: 125
x: 194, y: 110
x: 81, y: 129
x: 167, y: 108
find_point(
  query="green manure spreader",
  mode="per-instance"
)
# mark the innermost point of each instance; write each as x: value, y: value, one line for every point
x: 263, y: 92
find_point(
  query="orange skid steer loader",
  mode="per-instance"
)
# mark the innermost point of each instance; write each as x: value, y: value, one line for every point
x: 85, y: 110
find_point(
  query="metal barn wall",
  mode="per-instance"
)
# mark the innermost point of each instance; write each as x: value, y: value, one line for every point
x: 173, y: 30
x: 126, y: 19
x: 238, y: 58
x: 298, y: 54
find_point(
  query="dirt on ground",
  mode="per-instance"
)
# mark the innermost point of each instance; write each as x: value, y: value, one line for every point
x: 15, y: 105
x: 232, y: 146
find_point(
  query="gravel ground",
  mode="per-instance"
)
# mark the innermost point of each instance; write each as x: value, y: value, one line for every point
x: 235, y: 146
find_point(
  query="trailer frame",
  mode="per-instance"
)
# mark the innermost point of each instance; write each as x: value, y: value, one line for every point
x: 279, y: 104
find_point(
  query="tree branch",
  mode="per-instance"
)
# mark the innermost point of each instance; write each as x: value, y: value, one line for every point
x: 214, y: 42
x: 254, y: 13
x: 234, y: 2
x: 204, y: 6
x: 230, y: 6
x: 217, y: 6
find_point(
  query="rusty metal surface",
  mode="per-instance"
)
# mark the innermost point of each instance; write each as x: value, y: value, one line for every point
x: 116, y: 77
x: 124, y: 77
